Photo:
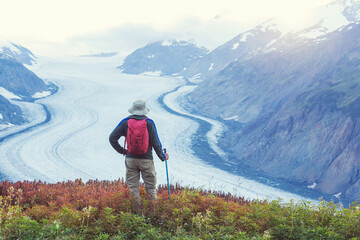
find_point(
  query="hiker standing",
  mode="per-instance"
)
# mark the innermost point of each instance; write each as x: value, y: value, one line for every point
x: 141, y: 138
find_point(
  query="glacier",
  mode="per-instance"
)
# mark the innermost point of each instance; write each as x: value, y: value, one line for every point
x: 93, y: 97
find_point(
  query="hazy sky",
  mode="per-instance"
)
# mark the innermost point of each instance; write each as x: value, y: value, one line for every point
x: 88, y: 26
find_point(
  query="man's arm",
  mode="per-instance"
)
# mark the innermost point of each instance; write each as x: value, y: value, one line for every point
x: 155, y: 141
x: 114, y: 137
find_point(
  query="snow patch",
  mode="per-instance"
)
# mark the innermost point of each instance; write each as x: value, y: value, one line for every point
x: 196, y: 78
x: 268, y: 47
x: 314, y: 33
x: 41, y: 94
x: 235, y: 46
x: 337, y: 195
x: 236, y: 117
x: 268, y: 50
x: 167, y: 43
x: 245, y: 36
x: 151, y: 56
x: 183, y: 43
x: 345, y: 28
x: 153, y: 74
x: 211, y: 67
x: 1, y: 117
x: 320, y: 39
x: 271, y: 43
x: 5, y: 126
x: 9, y: 95
x: 312, y: 186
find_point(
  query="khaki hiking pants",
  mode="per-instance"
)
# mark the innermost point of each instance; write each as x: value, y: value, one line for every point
x: 135, y: 166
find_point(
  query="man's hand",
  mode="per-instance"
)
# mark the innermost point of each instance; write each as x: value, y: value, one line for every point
x: 166, y: 155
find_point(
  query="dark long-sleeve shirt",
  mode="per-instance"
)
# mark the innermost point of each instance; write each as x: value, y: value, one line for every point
x: 154, y: 142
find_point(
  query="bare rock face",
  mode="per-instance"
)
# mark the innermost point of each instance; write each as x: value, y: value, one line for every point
x: 9, y: 113
x: 19, y: 80
x: 344, y: 171
x: 297, y: 110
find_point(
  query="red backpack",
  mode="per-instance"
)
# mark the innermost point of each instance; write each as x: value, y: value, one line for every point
x: 137, y: 137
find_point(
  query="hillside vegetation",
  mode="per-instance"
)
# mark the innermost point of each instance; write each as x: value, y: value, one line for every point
x: 103, y: 210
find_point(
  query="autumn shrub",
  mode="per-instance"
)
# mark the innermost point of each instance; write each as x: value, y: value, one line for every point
x: 104, y: 210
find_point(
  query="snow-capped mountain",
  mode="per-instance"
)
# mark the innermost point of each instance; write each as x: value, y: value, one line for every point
x: 166, y: 57
x: 18, y: 83
x: 263, y: 37
x: 239, y: 47
x: 20, y: 53
x: 267, y: 35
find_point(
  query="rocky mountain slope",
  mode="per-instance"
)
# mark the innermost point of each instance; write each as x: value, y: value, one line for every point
x: 294, y: 107
x: 18, y: 83
x: 9, y: 113
x: 298, y: 108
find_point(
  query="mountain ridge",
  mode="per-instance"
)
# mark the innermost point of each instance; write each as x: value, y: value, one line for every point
x: 18, y: 52
x: 18, y: 83
x: 168, y: 56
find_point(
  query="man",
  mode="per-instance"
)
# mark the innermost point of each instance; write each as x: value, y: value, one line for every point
x: 136, y: 164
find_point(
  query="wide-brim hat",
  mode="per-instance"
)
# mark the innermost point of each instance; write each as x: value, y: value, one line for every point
x: 139, y: 108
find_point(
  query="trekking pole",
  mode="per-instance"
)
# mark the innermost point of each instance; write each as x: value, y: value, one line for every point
x: 167, y: 175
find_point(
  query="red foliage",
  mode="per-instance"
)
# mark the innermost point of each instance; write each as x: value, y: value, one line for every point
x: 74, y: 193
x: 36, y: 195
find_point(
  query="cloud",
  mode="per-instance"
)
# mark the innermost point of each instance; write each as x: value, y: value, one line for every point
x: 126, y: 38
x: 212, y: 32
x: 123, y: 38
x: 123, y: 28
